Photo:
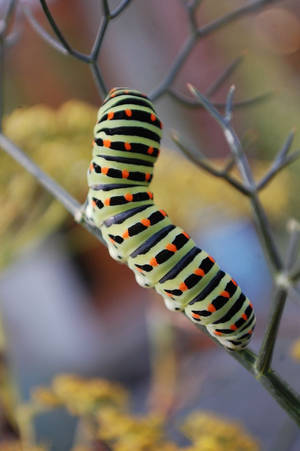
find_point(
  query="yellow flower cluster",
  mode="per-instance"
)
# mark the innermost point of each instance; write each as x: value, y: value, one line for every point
x: 102, y: 407
x: 12, y: 445
x: 81, y: 396
x: 210, y: 432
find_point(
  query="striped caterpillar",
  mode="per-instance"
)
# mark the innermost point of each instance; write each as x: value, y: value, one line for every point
x: 161, y: 255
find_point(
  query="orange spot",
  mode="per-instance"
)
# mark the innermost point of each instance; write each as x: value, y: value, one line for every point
x: 126, y: 91
x: 111, y: 240
x: 161, y: 125
x: 195, y: 315
x: 233, y: 327
x: 128, y: 197
x: 169, y: 294
x: 251, y: 305
x: 94, y: 203
x: 106, y: 143
x: 211, y: 308
x: 127, y: 146
x: 163, y: 212
x: 104, y: 170
x: 139, y: 269
x: 91, y: 167
x: 234, y: 282
x: 186, y: 235
x: 171, y: 247
x: 225, y: 294
x: 153, y: 117
x: 93, y: 143
x: 244, y: 316
x: 112, y: 90
x: 125, y: 234
x: 150, y: 195
x: 146, y: 222
x: 112, y: 95
x: 150, y: 150
x: 211, y: 259
x: 153, y: 262
x: 199, y: 272
x: 110, y: 115
x: 125, y: 174
x: 217, y: 333
x: 183, y: 287
x: 128, y: 113
x: 107, y: 202
x: 147, y: 176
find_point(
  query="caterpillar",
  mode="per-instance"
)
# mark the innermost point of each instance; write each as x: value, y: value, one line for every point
x: 161, y: 255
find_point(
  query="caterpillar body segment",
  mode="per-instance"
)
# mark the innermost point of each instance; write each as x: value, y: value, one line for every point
x: 161, y: 255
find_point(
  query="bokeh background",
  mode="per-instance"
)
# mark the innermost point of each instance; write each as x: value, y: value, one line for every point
x: 65, y: 305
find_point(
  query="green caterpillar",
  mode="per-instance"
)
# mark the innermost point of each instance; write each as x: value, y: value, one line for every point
x: 161, y: 255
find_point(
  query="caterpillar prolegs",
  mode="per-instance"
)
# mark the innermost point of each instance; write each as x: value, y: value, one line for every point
x: 161, y: 255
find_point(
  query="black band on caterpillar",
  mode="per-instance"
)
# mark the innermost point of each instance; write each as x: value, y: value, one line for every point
x: 161, y: 255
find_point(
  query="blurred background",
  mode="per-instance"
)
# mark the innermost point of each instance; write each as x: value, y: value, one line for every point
x: 66, y: 307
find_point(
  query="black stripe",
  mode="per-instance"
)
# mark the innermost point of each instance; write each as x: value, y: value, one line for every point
x: 234, y: 309
x: 152, y: 241
x: 209, y: 287
x: 187, y: 259
x: 206, y: 265
x: 111, y: 186
x: 126, y: 160
x: 121, y: 217
x: 137, y: 228
x: 235, y: 342
x: 130, y: 131
x: 120, y: 200
x: 201, y: 313
x: 249, y: 321
x: 128, y: 94
x: 135, y: 147
x: 180, y: 241
x: 192, y: 280
x: 174, y: 292
x: 142, y: 102
x: 136, y: 115
x: 118, y: 239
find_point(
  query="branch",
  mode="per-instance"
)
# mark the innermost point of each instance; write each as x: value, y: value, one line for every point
x: 277, y: 387
x: 227, y: 72
x: 202, y: 32
x: 246, y: 173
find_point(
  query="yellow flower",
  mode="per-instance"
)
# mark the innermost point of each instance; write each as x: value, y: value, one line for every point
x: 295, y: 350
x: 45, y: 397
x: 81, y: 396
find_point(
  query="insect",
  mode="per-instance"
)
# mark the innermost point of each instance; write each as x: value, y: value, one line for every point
x: 161, y: 255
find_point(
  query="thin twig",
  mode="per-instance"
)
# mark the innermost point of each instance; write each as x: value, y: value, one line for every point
x: 120, y: 8
x: 102, y: 88
x: 200, y: 161
x: 227, y: 72
x: 227, y: 19
x: 59, y: 34
x: 193, y: 103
